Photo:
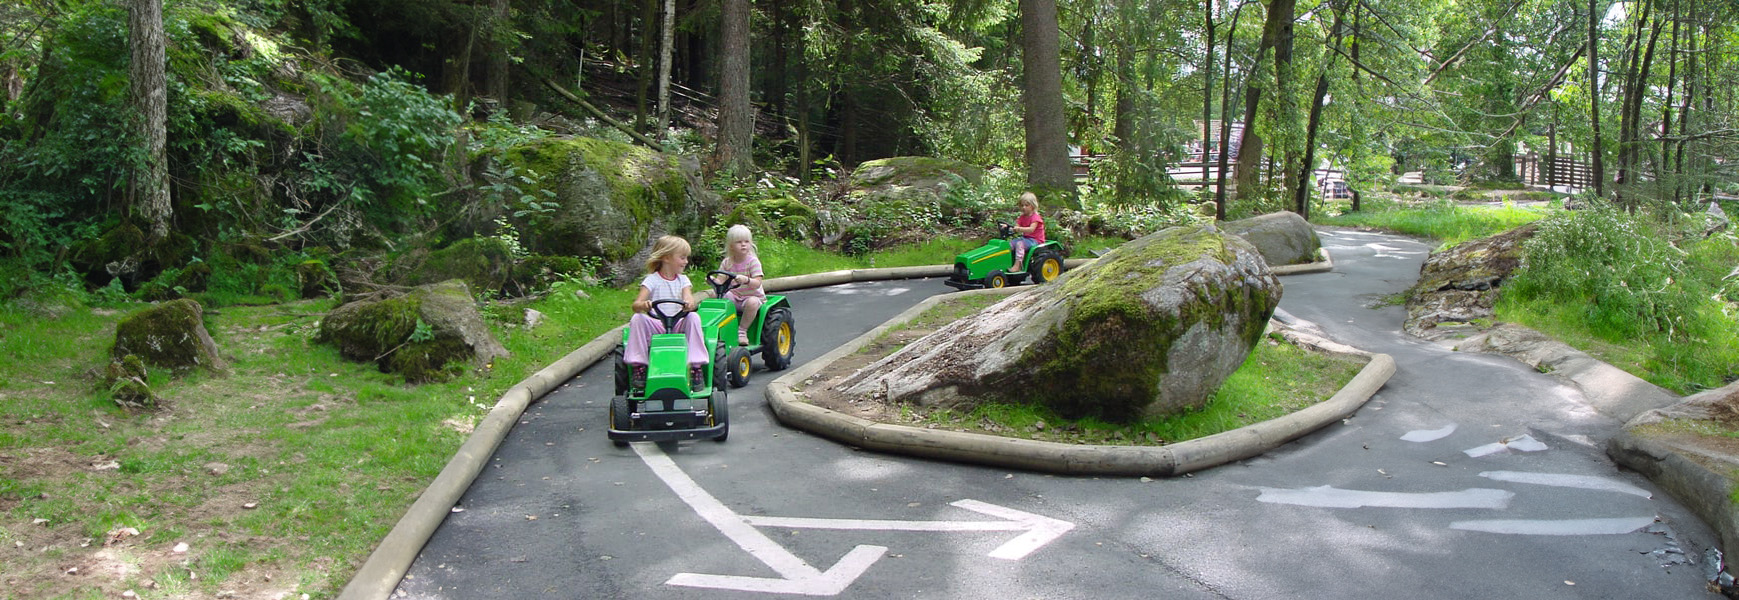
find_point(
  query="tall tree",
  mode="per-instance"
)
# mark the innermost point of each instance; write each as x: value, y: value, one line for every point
x: 148, y: 187
x: 1277, y: 40
x: 735, y: 152
x: 1047, y: 143
x: 1598, y: 150
x: 666, y: 46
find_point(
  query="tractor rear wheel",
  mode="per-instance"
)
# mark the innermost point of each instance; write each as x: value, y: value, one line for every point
x: 1046, y: 266
x: 778, y: 339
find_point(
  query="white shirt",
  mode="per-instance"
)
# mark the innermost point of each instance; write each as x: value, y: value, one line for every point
x: 665, y: 289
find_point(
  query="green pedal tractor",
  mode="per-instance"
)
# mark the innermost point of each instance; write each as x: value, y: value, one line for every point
x: 992, y: 265
x: 669, y: 405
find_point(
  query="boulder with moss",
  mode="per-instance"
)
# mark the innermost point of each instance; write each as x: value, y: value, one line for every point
x: 611, y: 200
x: 1459, y: 287
x: 918, y: 178
x: 315, y: 279
x: 1151, y: 328
x: 170, y: 335
x: 1283, y: 238
x: 425, y: 334
x: 125, y: 377
x: 485, y: 263
x: 784, y: 217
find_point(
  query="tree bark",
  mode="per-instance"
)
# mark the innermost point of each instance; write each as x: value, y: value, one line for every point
x: 1225, y: 118
x: 1301, y: 194
x: 496, y: 84
x: 1047, y: 143
x: 1207, y: 86
x: 1276, y: 38
x: 736, y: 117
x: 1599, y: 166
x: 667, y: 41
x: 148, y: 186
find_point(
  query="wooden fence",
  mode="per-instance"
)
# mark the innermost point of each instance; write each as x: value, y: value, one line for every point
x: 1560, y: 171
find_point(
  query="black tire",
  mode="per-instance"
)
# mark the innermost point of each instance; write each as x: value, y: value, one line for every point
x: 1045, y: 267
x: 721, y: 375
x: 721, y: 414
x: 621, y: 371
x: 737, y: 366
x: 619, y: 417
x: 778, y: 339
x: 995, y: 280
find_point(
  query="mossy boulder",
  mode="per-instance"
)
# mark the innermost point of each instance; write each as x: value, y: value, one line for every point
x: 612, y: 200
x: 1460, y: 286
x: 918, y: 178
x: 170, y: 335
x: 1283, y: 238
x: 424, y: 334
x: 1151, y: 328
x: 125, y: 377
x: 484, y: 263
x: 538, y: 272
x: 785, y: 217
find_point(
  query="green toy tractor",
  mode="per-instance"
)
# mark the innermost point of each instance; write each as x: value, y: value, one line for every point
x: 992, y: 265
x: 668, y: 406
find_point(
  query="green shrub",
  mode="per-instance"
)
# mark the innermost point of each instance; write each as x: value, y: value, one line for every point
x: 1632, y: 280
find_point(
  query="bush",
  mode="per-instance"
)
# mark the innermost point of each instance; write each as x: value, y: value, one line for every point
x: 1633, y: 281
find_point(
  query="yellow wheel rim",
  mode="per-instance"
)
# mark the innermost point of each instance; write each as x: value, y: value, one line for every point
x: 743, y: 367
x: 783, y: 339
x: 997, y: 281
x: 1051, y: 269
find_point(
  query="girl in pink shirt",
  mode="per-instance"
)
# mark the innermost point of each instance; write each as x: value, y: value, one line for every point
x: 1029, y: 226
x: 740, y: 258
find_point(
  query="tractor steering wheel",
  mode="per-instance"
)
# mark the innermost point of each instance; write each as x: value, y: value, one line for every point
x: 729, y: 284
x: 669, y: 321
x: 1004, y: 230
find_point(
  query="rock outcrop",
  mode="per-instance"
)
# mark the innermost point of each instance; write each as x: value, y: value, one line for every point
x: 1151, y: 328
x: 1460, y: 285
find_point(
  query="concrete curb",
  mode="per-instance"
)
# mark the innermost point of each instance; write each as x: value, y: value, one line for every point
x: 1706, y: 492
x: 386, y: 566
x: 784, y: 396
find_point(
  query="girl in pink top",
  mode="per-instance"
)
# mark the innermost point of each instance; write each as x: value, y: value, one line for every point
x: 1029, y: 226
x: 740, y: 258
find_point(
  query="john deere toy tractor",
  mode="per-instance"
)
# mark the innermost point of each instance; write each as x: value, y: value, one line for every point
x: 992, y: 265
x: 669, y: 405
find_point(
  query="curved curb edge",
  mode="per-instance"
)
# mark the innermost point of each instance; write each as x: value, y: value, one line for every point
x: 1706, y: 492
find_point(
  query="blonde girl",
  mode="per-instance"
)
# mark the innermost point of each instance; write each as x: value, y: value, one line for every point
x: 664, y: 281
x: 740, y: 259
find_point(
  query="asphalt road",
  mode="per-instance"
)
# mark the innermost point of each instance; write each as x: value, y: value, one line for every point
x: 1467, y: 476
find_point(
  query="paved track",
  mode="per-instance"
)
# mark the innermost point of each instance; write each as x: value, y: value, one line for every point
x: 1408, y: 498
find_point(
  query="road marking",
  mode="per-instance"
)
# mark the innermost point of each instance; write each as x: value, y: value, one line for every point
x: 1587, y: 482
x: 797, y: 576
x: 1520, y: 443
x: 1556, y: 527
x: 1328, y: 496
x: 1429, y: 435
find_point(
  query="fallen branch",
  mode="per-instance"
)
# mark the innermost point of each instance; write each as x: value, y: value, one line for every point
x: 638, y: 137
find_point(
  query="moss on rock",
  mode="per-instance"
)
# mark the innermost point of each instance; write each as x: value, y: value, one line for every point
x: 171, y: 335
x: 485, y: 263
x: 423, y: 335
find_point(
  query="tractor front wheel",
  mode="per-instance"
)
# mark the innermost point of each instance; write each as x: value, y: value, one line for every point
x: 996, y: 280
x: 737, y: 366
x: 619, y: 416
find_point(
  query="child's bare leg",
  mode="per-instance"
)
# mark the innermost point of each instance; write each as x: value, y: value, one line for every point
x: 746, y: 317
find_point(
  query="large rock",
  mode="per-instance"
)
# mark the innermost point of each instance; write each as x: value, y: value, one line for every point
x: 1283, y: 238
x: 896, y: 200
x: 911, y: 178
x: 170, y: 335
x: 611, y: 200
x: 1151, y: 328
x: 1460, y: 285
x: 422, y: 334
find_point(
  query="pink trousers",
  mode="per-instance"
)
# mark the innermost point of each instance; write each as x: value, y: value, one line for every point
x: 641, y: 328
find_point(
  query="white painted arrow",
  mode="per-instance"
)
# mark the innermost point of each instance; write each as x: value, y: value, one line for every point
x: 1040, y: 530
x: 797, y: 576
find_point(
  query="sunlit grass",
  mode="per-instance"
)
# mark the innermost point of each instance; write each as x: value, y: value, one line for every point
x: 1448, y: 223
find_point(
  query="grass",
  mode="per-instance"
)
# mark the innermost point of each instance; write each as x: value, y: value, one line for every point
x: 1446, y: 222
x: 1276, y: 379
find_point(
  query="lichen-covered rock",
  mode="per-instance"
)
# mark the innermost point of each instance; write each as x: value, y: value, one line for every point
x: 1283, y: 238
x: 170, y: 335
x: 1460, y: 285
x: 788, y: 218
x: 1151, y: 328
x: 315, y: 279
x: 612, y: 199
x: 422, y: 334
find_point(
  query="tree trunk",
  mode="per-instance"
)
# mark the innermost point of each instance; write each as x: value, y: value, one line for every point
x: 1225, y: 118
x: 643, y: 89
x: 1276, y: 37
x: 736, y: 116
x: 148, y: 187
x: 1207, y: 87
x: 667, y: 42
x: 1047, y: 143
x: 1301, y: 195
x: 496, y: 84
x: 1599, y: 166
